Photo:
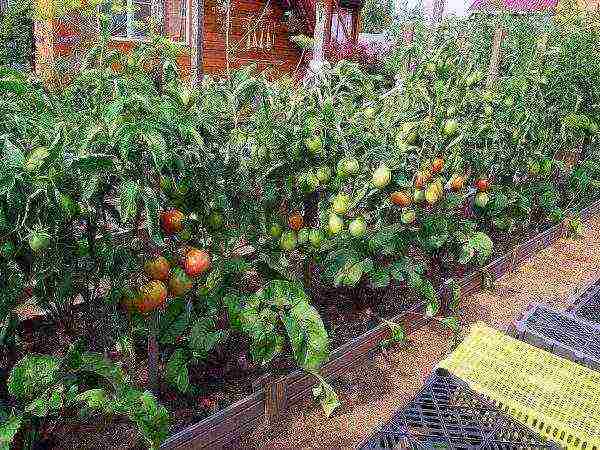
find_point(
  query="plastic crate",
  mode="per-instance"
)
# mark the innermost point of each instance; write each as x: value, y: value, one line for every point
x: 553, y: 396
x: 559, y: 333
x: 448, y: 415
x: 587, y: 305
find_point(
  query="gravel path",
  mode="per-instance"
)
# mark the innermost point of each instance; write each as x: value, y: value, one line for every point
x: 374, y: 390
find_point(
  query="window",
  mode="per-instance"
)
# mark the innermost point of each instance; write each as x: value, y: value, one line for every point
x: 130, y: 19
x: 341, y: 25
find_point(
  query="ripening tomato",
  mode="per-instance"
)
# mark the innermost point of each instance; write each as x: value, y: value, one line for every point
x: 400, y: 198
x: 347, y: 167
x: 179, y: 282
x: 152, y: 296
x: 438, y: 165
x: 196, y: 262
x: 432, y: 193
x: 295, y: 221
x: 420, y: 181
x: 158, y: 268
x: 171, y: 221
x: 482, y: 199
x: 457, y: 183
x: 382, y: 176
x: 482, y: 184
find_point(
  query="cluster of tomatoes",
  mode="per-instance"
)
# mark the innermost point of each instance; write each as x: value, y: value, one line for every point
x: 169, y: 277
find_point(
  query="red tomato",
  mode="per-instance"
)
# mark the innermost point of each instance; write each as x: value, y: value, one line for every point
x: 196, y: 262
x: 400, y: 198
x: 171, y: 221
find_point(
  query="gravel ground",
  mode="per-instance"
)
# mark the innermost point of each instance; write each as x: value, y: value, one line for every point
x: 374, y: 390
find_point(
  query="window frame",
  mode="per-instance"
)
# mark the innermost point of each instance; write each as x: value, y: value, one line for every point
x: 131, y: 19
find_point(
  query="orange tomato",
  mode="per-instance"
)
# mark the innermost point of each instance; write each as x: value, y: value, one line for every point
x: 296, y: 221
x: 400, y: 198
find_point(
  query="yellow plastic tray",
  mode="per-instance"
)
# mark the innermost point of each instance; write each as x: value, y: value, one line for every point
x: 555, y: 397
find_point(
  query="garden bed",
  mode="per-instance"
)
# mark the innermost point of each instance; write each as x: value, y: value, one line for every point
x: 276, y: 394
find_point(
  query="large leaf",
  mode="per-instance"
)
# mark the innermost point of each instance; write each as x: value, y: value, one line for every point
x: 204, y: 337
x: 31, y: 375
x: 307, y: 334
x: 173, y: 321
x: 326, y: 396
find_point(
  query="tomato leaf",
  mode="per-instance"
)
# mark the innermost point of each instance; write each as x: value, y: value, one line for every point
x: 307, y: 334
x: 128, y: 196
x: 173, y: 322
x: 9, y: 428
x: 152, y: 219
x: 31, y: 375
x: 326, y: 396
x: 176, y: 372
x: 380, y: 278
x: 204, y: 337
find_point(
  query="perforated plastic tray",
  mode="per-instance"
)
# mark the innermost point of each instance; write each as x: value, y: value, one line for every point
x: 560, y: 333
x: 553, y: 396
x: 448, y: 415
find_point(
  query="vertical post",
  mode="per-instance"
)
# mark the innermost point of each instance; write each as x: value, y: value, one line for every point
x: 318, y: 51
x: 196, y: 54
x: 329, y: 6
x: 495, y: 57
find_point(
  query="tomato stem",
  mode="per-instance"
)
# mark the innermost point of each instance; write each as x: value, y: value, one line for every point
x: 153, y: 355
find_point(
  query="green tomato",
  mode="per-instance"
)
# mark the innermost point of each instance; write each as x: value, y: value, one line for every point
x: 308, y: 182
x: 430, y: 67
x: 314, y: 145
x: 487, y: 96
x: 336, y: 224
x: 419, y: 196
x: 358, y: 227
x: 408, y: 216
x: 39, y: 241
x: 83, y: 249
x: 185, y: 235
x: 488, y: 110
x: 546, y: 166
x: 215, y: 220
x: 276, y: 231
x: 166, y: 185
x: 482, y: 199
x: 341, y: 203
x: 316, y: 237
x: 288, y: 241
x: 534, y: 167
x: 258, y: 152
x: 347, y: 167
x: 450, y: 127
x: 509, y: 102
x: 303, y: 236
x: 323, y: 174
x: 382, y: 177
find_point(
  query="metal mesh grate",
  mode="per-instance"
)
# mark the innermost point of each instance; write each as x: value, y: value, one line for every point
x: 588, y: 305
x: 449, y: 415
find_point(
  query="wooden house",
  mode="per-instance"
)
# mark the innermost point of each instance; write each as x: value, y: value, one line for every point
x: 254, y: 32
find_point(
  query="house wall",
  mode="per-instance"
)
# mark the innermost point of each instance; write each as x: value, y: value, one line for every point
x: 257, y: 35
